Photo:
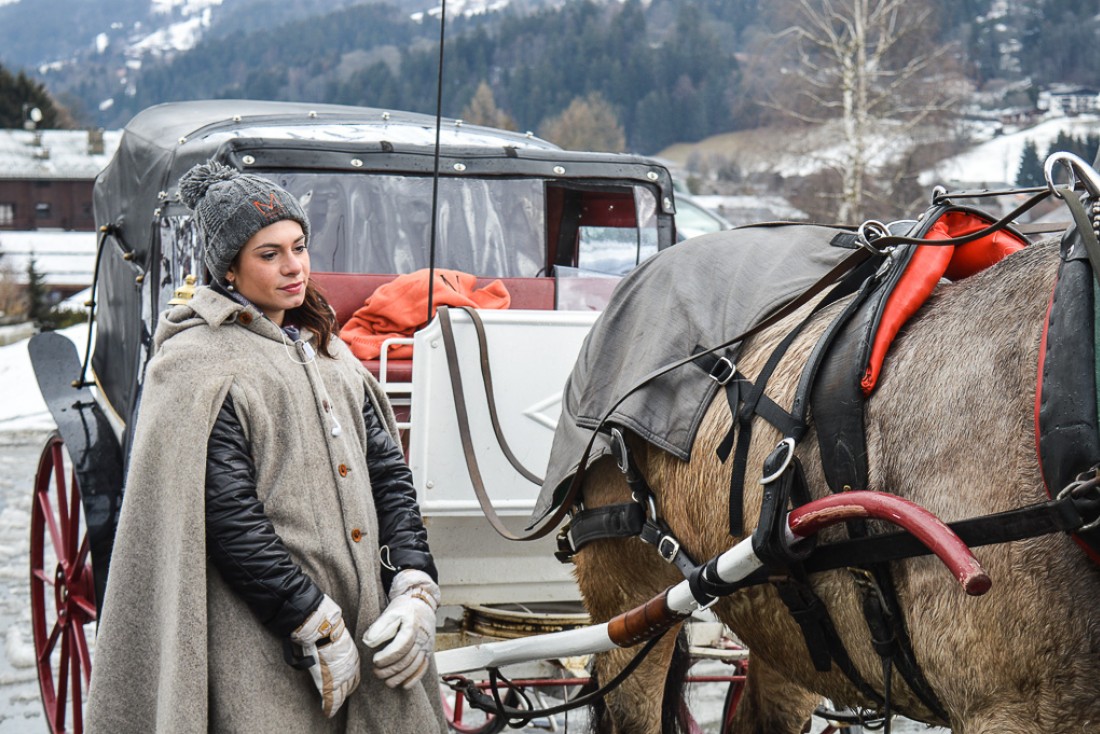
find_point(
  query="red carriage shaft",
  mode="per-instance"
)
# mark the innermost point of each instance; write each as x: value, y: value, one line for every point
x: 919, y: 522
x: 677, y: 602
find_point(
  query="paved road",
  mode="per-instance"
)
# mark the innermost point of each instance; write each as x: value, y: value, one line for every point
x: 20, y: 704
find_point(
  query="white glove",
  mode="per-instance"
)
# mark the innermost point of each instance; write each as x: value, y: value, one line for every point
x: 336, y: 672
x: 410, y: 620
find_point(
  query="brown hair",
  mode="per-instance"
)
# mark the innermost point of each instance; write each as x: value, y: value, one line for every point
x: 316, y: 315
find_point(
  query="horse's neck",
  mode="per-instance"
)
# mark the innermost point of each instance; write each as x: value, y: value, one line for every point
x: 1024, y: 277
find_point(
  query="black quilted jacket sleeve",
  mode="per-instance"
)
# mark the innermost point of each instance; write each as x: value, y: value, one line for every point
x: 241, y: 541
x: 401, y: 533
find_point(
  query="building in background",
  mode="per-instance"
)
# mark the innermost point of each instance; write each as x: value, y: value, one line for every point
x: 1068, y: 99
x: 46, y: 181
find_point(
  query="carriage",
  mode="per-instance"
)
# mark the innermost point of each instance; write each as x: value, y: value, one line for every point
x: 556, y: 227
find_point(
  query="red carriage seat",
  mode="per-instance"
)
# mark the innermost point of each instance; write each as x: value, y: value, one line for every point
x: 346, y: 292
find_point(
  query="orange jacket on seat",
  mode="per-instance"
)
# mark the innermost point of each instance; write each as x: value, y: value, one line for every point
x: 400, y: 307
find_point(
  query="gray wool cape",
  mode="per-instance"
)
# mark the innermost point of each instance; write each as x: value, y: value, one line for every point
x: 177, y: 650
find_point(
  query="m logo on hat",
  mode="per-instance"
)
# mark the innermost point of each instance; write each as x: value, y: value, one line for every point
x: 271, y: 209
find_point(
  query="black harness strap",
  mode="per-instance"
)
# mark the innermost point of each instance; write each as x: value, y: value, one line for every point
x: 783, y: 476
x: 627, y: 519
x: 787, y: 487
x: 744, y: 418
x: 822, y: 639
x: 1077, y: 506
x: 889, y: 633
x: 624, y: 520
x: 756, y: 403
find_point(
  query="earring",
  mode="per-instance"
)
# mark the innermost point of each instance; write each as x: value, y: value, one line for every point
x: 229, y: 286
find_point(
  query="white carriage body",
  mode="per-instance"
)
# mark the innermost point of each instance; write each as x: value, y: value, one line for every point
x: 531, y: 354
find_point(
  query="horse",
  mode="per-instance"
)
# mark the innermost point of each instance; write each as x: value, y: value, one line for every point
x: 950, y: 426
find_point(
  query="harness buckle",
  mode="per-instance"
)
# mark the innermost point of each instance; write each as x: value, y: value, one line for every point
x: 668, y: 548
x: 566, y: 549
x: 722, y: 371
x: 1086, y: 483
x: 620, y: 450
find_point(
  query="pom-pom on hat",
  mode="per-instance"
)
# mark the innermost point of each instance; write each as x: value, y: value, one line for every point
x: 230, y: 207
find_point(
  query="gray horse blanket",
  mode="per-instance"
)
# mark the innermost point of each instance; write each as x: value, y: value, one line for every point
x: 687, y: 298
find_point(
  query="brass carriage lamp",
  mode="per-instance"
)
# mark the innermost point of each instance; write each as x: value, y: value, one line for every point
x: 184, y: 293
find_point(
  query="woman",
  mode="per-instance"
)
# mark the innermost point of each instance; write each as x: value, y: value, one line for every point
x: 259, y: 431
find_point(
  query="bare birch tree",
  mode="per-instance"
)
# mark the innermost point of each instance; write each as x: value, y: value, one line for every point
x: 875, y: 71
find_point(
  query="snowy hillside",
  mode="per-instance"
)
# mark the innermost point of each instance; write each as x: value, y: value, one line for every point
x: 996, y: 161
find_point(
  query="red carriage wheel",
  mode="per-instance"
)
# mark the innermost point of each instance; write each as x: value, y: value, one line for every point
x: 733, y: 696
x: 465, y: 719
x: 62, y: 590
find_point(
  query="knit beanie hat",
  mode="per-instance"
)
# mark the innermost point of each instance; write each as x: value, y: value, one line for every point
x: 230, y: 207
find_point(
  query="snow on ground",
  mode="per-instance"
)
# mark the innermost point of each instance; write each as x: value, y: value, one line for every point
x: 22, y: 407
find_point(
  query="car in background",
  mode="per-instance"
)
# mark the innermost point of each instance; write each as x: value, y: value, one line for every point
x: 693, y: 219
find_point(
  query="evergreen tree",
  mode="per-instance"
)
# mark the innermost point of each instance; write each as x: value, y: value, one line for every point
x: 19, y: 94
x: 1086, y: 146
x: 38, y: 297
x: 1030, y: 172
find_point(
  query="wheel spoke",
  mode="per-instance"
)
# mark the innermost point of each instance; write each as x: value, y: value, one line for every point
x: 62, y: 681
x: 46, y: 578
x: 84, y: 656
x: 73, y: 520
x: 77, y: 666
x: 51, y: 642
x: 61, y: 488
x: 51, y: 525
x: 85, y: 606
x: 81, y: 559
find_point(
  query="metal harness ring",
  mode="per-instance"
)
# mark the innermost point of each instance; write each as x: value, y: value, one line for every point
x: 1080, y: 172
x: 789, y: 443
x: 870, y: 230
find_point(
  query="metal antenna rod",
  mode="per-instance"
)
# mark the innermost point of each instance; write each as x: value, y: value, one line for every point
x: 435, y: 174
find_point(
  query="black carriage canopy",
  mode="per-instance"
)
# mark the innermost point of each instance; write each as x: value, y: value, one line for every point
x: 365, y: 177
